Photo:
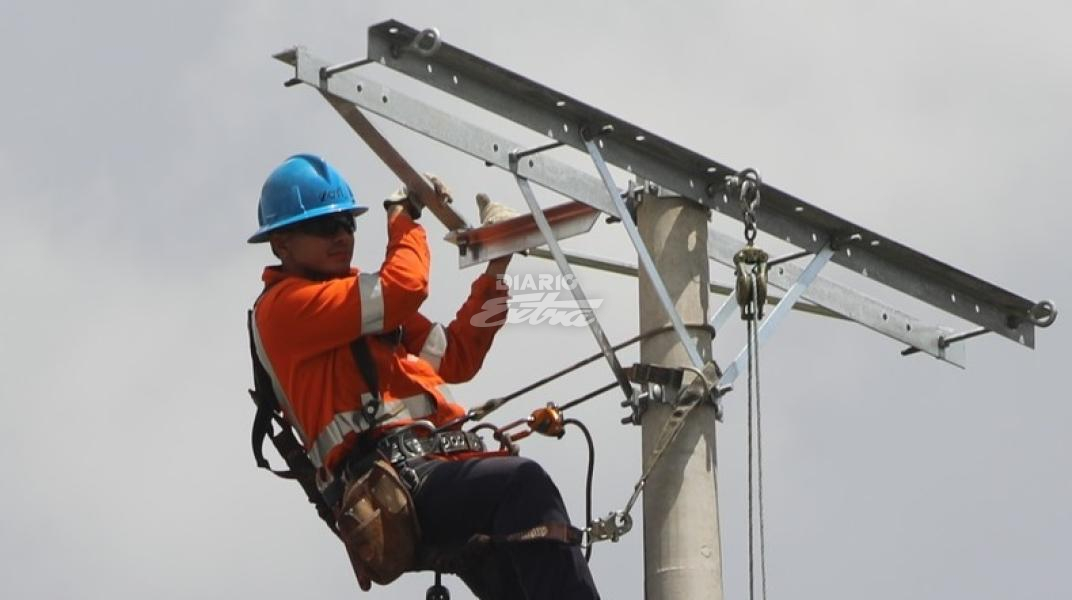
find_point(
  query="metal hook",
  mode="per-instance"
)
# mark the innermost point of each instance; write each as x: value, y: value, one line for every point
x: 748, y: 182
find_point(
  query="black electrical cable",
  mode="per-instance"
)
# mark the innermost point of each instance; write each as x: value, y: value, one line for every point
x: 588, y: 479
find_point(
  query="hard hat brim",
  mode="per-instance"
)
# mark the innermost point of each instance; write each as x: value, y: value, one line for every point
x: 261, y: 235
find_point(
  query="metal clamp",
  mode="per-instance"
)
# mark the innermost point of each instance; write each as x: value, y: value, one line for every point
x: 638, y: 403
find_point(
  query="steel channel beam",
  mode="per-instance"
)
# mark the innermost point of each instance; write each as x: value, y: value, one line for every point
x: 577, y: 291
x: 692, y: 175
x: 853, y: 305
x: 770, y: 324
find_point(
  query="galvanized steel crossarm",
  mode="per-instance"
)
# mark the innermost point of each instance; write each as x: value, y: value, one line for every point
x: 424, y: 119
x: 692, y: 175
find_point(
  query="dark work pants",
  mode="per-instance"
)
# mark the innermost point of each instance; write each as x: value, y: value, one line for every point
x: 499, y: 496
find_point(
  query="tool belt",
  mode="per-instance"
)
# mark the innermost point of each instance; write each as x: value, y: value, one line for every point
x: 404, y: 448
x: 376, y: 517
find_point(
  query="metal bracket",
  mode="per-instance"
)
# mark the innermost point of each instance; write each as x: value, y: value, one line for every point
x: 666, y: 385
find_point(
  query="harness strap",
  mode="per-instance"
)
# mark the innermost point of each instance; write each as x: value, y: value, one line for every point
x: 293, y: 453
x: 475, y: 550
x: 267, y: 407
x: 552, y: 532
x: 365, y: 364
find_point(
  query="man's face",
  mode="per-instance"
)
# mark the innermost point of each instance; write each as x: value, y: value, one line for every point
x: 318, y: 248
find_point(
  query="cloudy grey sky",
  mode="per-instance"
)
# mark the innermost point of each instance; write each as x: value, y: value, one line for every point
x: 135, y: 138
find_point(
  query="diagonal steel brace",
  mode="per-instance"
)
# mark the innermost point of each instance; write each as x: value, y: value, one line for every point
x: 643, y: 256
x: 578, y: 293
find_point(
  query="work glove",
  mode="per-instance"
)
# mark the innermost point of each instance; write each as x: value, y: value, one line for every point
x: 412, y: 203
x: 493, y: 212
x: 409, y: 202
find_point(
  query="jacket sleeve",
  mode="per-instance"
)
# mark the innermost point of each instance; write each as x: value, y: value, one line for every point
x: 322, y: 315
x: 457, y: 351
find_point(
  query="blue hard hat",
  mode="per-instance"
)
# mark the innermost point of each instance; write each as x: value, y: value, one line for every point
x: 303, y: 187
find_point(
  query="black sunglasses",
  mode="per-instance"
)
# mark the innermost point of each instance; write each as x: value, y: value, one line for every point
x: 327, y: 226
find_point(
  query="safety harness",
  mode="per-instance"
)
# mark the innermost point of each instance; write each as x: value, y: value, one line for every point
x: 338, y: 504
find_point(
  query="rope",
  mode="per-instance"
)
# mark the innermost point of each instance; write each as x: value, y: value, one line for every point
x: 759, y: 468
x: 755, y: 485
x: 751, y: 485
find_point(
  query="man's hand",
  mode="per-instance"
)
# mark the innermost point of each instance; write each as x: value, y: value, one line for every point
x: 493, y: 212
x: 440, y: 188
x: 490, y: 214
x: 400, y: 200
x: 411, y: 203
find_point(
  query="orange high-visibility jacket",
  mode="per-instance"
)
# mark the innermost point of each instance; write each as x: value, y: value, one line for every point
x: 303, y: 330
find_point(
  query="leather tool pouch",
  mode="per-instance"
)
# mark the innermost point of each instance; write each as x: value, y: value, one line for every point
x: 378, y: 524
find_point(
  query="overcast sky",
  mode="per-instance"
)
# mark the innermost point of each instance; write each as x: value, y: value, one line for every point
x: 134, y: 139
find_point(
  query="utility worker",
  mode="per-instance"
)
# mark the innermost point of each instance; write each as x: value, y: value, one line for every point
x: 321, y: 331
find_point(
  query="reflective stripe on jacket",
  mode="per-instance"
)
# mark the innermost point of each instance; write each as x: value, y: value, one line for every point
x: 303, y: 330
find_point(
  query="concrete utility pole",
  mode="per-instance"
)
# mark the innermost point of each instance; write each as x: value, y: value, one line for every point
x: 682, y: 551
